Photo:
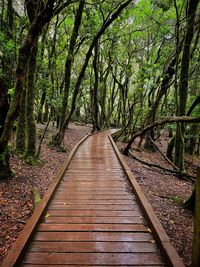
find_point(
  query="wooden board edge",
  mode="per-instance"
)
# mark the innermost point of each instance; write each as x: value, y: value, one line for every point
x: 18, y: 249
x: 168, y: 251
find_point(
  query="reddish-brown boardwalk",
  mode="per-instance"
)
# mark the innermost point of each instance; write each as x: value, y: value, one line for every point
x: 94, y: 214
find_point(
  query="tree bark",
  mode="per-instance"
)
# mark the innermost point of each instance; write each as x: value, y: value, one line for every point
x: 183, y: 87
x: 4, y: 105
x: 94, y: 102
x: 10, y: 15
x: 21, y: 127
x: 68, y: 68
x: 31, y: 38
x: 30, y: 100
x: 196, y: 240
x: 161, y: 122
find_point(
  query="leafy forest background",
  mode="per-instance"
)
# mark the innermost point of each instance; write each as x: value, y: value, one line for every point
x: 129, y: 64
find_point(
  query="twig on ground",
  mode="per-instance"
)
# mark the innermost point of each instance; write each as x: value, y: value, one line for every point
x: 9, y: 216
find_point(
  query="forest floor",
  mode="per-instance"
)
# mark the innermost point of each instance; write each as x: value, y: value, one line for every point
x: 17, y: 194
x: 163, y: 191
x: 167, y: 193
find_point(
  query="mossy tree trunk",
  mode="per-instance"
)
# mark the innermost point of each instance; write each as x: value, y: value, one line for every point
x: 41, y: 105
x: 5, y: 170
x: 40, y: 66
x: 21, y: 127
x: 183, y: 87
x: 15, y: 104
x: 30, y: 100
x: 196, y: 240
x: 94, y: 98
x: 4, y: 106
x: 31, y: 38
x: 68, y: 68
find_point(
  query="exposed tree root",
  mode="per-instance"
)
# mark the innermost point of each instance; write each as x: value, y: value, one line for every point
x: 175, y: 172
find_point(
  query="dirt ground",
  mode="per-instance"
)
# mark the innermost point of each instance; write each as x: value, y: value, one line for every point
x: 17, y: 194
x: 167, y: 193
x: 164, y: 191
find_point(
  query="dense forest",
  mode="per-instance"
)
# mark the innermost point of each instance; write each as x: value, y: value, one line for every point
x: 124, y: 64
x: 131, y: 65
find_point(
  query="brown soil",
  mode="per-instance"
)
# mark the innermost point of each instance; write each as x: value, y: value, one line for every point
x: 166, y: 193
x: 16, y: 194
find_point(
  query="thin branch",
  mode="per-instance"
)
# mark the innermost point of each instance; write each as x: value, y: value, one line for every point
x: 169, y: 161
x: 175, y: 172
x: 9, y: 216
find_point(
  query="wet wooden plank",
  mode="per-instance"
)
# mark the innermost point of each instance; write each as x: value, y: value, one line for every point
x: 94, y: 202
x: 98, y: 179
x: 92, y: 213
x: 91, y: 196
x: 114, y: 185
x: 89, y: 193
x: 93, y: 227
x: 94, y: 187
x: 124, y: 220
x: 93, y: 236
x: 102, y: 259
x: 72, y: 265
x: 123, y: 247
x: 66, y: 206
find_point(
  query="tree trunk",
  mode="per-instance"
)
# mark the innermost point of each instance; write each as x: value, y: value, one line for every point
x: 95, y: 108
x: 183, y: 87
x: 46, y: 112
x: 40, y: 112
x: 21, y: 127
x: 20, y: 74
x: 196, y: 240
x: 40, y: 67
x: 4, y: 106
x: 5, y: 170
x: 171, y: 143
x: 10, y: 15
x: 30, y: 100
x: 68, y: 67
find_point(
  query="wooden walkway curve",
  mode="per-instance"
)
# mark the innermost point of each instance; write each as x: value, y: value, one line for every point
x: 94, y: 214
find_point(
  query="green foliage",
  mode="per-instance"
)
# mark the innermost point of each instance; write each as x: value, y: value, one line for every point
x: 177, y: 200
x: 32, y: 160
x: 61, y: 149
x: 5, y: 154
x: 37, y: 196
x: 11, y: 92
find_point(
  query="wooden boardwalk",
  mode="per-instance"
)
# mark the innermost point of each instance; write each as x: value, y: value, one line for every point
x: 92, y: 216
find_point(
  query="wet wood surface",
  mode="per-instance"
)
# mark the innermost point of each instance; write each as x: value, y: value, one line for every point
x: 93, y: 217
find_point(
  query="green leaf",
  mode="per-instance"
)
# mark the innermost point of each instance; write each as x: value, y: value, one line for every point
x: 36, y: 194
